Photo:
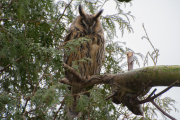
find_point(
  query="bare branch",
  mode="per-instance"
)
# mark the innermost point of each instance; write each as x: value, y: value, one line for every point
x: 115, y: 93
x: 37, y: 107
x: 159, y: 108
x: 152, y: 93
x: 148, y: 37
x: 155, y: 96
x: 65, y: 81
x: 130, y: 60
x: 62, y: 103
x: 62, y: 14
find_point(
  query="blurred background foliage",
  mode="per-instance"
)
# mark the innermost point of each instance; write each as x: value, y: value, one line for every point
x: 31, y: 53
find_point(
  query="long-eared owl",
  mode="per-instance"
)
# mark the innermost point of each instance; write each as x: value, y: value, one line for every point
x: 86, y: 25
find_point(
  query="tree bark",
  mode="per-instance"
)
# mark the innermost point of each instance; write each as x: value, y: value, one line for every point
x: 158, y: 75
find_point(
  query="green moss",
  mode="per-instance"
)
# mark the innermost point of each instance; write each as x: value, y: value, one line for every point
x: 174, y: 68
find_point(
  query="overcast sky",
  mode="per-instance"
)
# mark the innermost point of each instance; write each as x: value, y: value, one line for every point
x: 162, y: 22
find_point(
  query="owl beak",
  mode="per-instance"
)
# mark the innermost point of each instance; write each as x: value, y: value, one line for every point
x: 89, y: 31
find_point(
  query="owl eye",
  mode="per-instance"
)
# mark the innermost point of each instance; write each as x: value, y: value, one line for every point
x: 83, y: 23
x: 94, y: 24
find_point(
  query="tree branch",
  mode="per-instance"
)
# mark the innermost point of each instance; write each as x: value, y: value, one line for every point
x: 151, y: 99
x: 10, y: 64
x: 155, y: 96
x: 115, y: 93
x: 62, y: 103
x: 40, y: 79
x: 65, y: 81
x: 73, y: 71
x: 130, y: 84
x: 132, y: 80
x: 159, y: 108
x: 62, y: 14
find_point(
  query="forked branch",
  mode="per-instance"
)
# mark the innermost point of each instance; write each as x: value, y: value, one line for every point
x: 151, y: 99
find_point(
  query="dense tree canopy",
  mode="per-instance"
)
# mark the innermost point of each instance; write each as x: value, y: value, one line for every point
x: 31, y: 56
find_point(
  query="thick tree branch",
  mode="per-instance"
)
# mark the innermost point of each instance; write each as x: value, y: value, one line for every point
x: 129, y: 85
x: 158, y: 75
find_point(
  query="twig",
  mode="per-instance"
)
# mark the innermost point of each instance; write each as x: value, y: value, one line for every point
x: 24, y: 109
x: 155, y: 50
x: 103, y: 4
x: 50, y: 76
x: 152, y: 93
x: 62, y: 14
x: 115, y: 93
x: 65, y: 81
x: 10, y: 64
x: 40, y: 79
x: 33, y: 110
x: 151, y: 99
x: 148, y: 37
x: 37, y: 107
x: 62, y: 103
x: 155, y: 96
x: 73, y: 71
x: 159, y: 108
x: 143, y: 89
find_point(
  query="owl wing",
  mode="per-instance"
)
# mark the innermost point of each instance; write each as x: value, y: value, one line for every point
x: 93, y: 49
x: 70, y: 56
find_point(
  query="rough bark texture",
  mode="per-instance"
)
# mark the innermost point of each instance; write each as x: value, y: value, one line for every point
x: 159, y: 75
x: 135, y: 79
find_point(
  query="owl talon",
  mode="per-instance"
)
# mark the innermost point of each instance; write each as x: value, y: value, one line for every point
x: 86, y: 78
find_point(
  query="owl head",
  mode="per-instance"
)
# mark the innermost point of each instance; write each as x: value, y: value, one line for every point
x: 87, y: 23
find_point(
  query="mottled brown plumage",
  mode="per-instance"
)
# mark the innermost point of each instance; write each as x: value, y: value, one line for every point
x: 85, y: 25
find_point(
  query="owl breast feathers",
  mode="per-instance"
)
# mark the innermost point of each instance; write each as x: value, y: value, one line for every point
x: 89, y: 26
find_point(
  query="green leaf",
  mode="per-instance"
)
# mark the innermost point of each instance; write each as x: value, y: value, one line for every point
x: 83, y: 103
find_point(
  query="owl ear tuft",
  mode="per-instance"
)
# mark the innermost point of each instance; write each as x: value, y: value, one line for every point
x: 81, y: 11
x: 98, y: 14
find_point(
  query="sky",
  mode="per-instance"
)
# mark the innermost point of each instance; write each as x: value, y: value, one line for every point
x: 161, y: 20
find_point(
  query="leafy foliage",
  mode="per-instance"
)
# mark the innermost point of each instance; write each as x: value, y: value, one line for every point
x: 31, y: 53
